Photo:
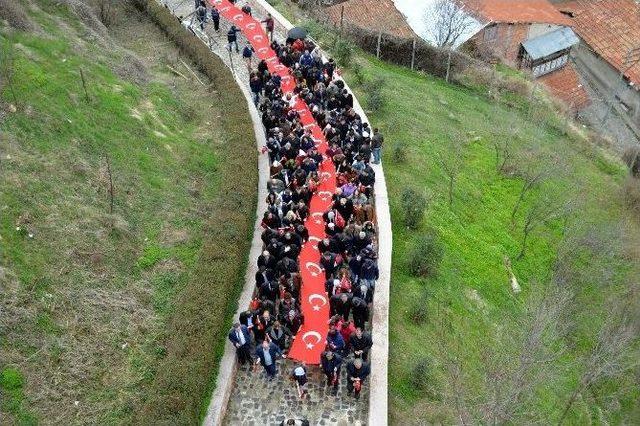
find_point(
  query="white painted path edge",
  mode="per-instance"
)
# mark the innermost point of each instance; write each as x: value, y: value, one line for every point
x: 378, y: 394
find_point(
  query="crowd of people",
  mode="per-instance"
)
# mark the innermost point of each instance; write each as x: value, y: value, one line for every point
x: 348, y: 258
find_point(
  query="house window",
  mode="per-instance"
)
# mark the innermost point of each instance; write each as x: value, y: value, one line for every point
x: 552, y: 65
x: 491, y: 32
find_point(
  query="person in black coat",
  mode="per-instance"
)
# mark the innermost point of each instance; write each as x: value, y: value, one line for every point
x: 232, y: 38
x: 331, y: 365
x: 357, y: 373
x: 341, y: 304
x: 280, y: 335
x: 360, y: 311
x: 264, y: 275
x: 241, y: 339
x: 360, y: 343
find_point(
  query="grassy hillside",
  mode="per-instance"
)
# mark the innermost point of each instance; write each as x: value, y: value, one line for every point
x: 114, y: 300
x: 463, y: 344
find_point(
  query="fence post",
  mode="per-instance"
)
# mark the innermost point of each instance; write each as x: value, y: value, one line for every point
x: 413, y: 54
x: 341, y: 18
x: 379, y: 41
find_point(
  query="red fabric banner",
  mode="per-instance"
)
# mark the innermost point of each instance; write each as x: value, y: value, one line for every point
x: 310, y: 340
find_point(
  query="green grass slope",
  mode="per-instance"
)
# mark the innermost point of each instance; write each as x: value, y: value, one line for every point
x: 464, y: 355
x: 115, y: 315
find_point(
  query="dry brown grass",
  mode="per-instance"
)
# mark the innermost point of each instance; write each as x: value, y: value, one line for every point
x: 13, y: 12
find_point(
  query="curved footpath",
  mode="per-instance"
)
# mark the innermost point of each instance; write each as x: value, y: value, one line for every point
x: 378, y: 402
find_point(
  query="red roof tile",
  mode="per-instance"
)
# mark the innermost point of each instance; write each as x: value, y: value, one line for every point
x: 610, y: 27
x: 517, y: 11
x: 565, y: 84
x: 374, y: 15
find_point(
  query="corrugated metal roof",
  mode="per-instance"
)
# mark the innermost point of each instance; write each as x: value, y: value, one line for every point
x: 550, y: 43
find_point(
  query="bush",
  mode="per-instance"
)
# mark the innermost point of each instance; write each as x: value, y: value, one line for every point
x: 358, y: 76
x: 631, y: 193
x: 421, y: 374
x: 343, y: 52
x: 426, y: 255
x: 419, y: 312
x: 413, y: 206
x: 400, y: 153
x: 374, y: 97
x: 631, y: 157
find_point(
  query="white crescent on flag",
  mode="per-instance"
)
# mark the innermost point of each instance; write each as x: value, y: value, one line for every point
x: 316, y: 239
x: 317, y: 296
x: 263, y: 50
x: 239, y: 17
x: 314, y: 334
x: 325, y: 195
x: 258, y: 38
x: 313, y: 268
x: 251, y: 25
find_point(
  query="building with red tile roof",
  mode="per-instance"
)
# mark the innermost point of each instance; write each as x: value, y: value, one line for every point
x: 610, y: 27
x: 374, y: 15
x: 517, y: 11
x: 608, y: 57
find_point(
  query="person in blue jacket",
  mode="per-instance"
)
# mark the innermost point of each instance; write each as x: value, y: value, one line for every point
x: 335, y: 342
x: 241, y: 339
x: 331, y: 365
x: 267, y: 353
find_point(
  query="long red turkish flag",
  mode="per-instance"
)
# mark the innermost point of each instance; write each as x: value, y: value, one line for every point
x: 310, y: 340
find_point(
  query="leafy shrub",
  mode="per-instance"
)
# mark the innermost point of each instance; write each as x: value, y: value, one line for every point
x: 413, y: 206
x: 343, y: 52
x: 400, y: 153
x: 425, y: 256
x: 358, y: 76
x: 421, y: 374
x: 419, y: 312
x: 374, y: 97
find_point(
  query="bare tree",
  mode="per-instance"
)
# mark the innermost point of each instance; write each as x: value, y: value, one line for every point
x: 541, y: 211
x: 447, y: 21
x: 512, y: 375
x: 451, y: 165
x: 7, y: 69
x: 533, y: 174
x: 612, y: 355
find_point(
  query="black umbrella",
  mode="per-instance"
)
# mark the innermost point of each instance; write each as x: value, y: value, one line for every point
x: 297, y: 33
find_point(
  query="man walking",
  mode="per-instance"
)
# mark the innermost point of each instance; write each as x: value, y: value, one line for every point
x: 241, y: 339
x: 215, y: 18
x: 357, y: 372
x: 376, y: 145
x: 331, y: 364
x: 232, y: 38
x: 247, y: 54
x: 267, y: 353
x: 269, y: 24
x: 201, y: 12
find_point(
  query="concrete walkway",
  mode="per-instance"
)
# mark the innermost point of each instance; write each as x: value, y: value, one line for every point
x: 245, y: 397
